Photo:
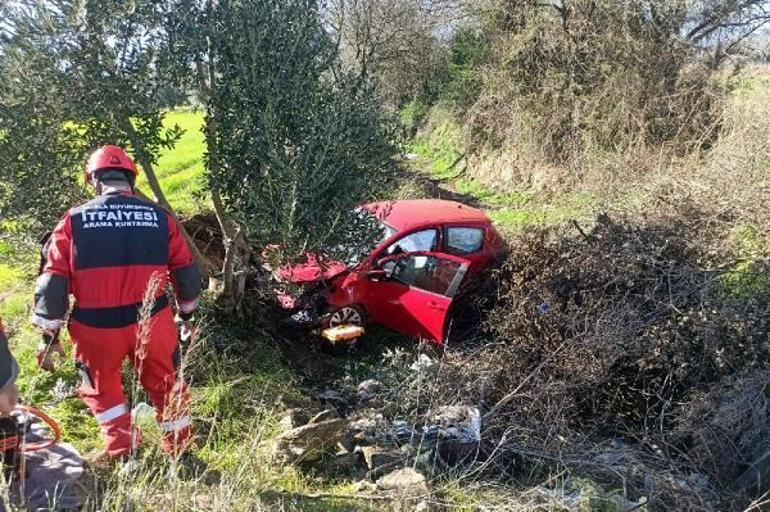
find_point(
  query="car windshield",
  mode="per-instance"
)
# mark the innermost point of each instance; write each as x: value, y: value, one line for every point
x: 368, y: 232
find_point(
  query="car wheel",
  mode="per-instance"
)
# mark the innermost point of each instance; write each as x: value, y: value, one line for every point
x: 347, y: 315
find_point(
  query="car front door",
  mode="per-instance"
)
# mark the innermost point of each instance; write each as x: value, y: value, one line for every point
x: 414, y: 292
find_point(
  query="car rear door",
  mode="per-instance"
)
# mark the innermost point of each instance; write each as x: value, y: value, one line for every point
x: 467, y: 241
x: 416, y: 297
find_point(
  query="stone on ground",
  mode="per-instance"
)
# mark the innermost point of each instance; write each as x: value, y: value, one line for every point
x: 405, y: 482
x: 379, y: 461
x: 309, y: 442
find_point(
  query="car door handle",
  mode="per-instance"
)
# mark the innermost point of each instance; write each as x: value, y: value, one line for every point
x: 436, y: 306
x: 395, y: 302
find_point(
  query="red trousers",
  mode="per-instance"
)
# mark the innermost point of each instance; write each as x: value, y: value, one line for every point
x: 99, y: 355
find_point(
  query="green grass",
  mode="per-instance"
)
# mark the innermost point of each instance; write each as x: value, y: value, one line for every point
x: 748, y: 277
x: 9, y: 277
x: 442, y: 147
x: 413, y: 113
x: 578, y: 206
x: 488, y: 197
x: 180, y: 170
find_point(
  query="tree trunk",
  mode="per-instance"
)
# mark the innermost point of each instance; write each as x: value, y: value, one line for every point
x: 228, y: 230
x: 233, y: 282
x: 160, y: 197
x: 233, y: 238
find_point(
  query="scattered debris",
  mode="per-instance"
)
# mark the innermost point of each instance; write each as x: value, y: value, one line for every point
x: 62, y: 390
x: 347, y: 463
x: 370, y: 430
x: 379, y: 460
x: 454, y: 432
x: 423, y: 364
x: 294, y: 418
x: 580, y: 494
x: 456, y: 422
x: 404, y: 431
x: 325, y: 415
x: 335, y: 399
x: 370, y: 393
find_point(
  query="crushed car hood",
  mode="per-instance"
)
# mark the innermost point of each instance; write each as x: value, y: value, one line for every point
x: 311, y: 271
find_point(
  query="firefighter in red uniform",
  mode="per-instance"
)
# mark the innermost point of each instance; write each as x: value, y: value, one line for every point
x: 107, y: 253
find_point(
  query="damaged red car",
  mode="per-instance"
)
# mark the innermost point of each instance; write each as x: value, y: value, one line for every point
x: 427, y: 254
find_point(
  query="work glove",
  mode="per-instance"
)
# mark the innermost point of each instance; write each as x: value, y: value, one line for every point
x: 186, y: 332
x: 45, y: 351
x: 186, y: 325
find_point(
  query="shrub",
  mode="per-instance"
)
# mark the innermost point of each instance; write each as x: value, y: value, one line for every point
x: 630, y: 320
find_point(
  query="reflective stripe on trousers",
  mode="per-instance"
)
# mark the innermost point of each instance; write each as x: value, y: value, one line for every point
x: 112, y: 413
x: 176, y: 425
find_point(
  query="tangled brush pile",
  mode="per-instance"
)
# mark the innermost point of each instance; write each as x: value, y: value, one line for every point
x: 631, y: 333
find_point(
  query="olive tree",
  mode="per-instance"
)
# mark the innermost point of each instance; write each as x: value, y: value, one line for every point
x: 294, y: 143
x: 38, y: 157
x: 76, y: 75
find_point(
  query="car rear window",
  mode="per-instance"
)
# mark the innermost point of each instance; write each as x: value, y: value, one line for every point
x: 464, y: 240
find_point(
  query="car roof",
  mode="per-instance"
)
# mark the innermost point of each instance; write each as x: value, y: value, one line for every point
x: 410, y: 213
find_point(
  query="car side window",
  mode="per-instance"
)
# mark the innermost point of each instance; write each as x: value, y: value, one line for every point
x: 464, y: 240
x: 429, y: 273
x: 420, y: 241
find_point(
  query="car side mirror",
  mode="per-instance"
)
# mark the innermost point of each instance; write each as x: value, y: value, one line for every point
x: 378, y: 274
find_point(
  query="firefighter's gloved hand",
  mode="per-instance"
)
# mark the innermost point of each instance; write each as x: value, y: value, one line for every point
x: 45, y: 354
x: 186, y: 331
x: 186, y: 325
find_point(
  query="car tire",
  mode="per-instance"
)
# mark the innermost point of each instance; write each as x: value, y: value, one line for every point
x: 352, y: 314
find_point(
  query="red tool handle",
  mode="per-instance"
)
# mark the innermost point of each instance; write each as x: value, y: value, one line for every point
x: 55, y: 428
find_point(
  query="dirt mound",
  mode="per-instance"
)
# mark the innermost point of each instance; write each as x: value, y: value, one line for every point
x: 205, y: 230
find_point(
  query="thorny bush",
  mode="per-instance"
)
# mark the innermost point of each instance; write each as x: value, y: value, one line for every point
x: 631, y: 318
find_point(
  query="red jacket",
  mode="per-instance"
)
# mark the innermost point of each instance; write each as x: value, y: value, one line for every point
x: 105, y: 253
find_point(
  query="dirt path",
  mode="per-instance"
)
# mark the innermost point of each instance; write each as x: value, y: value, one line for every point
x: 418, y: 171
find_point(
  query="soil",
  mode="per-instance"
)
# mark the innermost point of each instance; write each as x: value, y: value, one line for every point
x: 205, y: 230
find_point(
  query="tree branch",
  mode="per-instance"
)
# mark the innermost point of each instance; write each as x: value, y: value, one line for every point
x: 149, y: 170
